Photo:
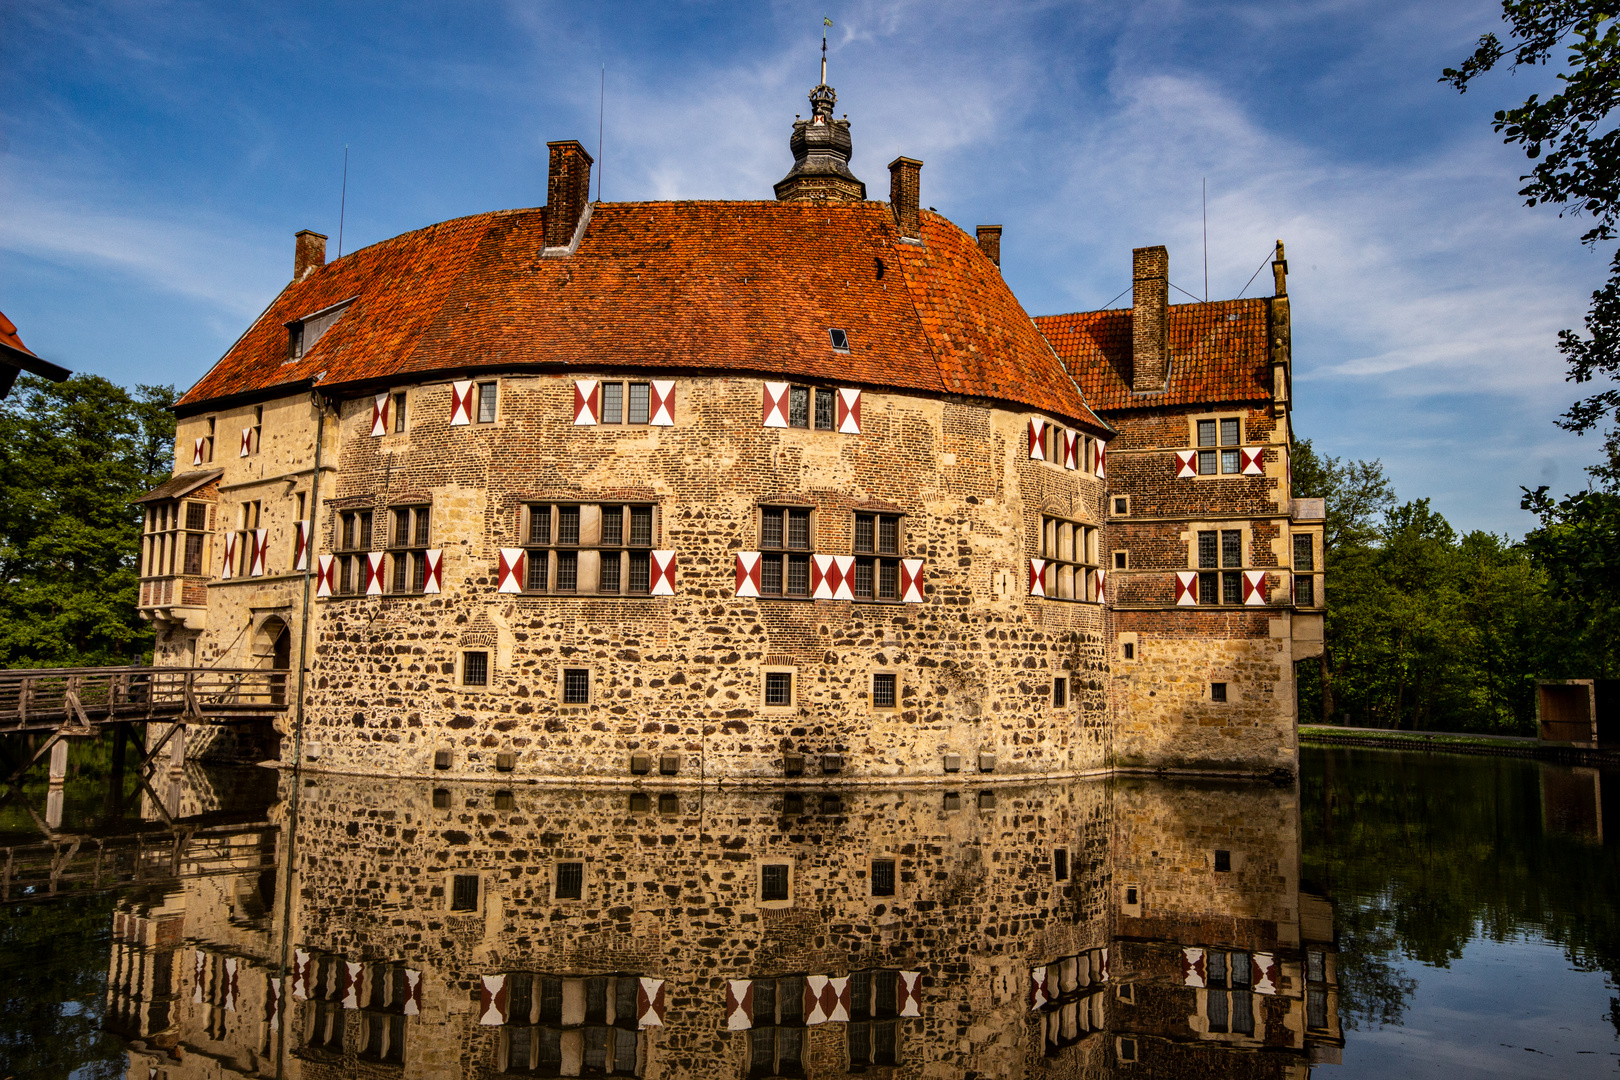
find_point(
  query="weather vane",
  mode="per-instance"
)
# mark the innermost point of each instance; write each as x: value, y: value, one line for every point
x: 825, y: 22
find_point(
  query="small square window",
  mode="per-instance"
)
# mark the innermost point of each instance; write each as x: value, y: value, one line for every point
x: 570, y: 880
x: 1060, y: 692
x: 669, y: 804
x: 1122, y: 560
x: 1217, y: 691
x: 504, y: 800
x: 1122, y: 504
x: 773, y: 881
x: 1129, y: 650
x: 488, y: 397
x: 883, y: 690
x: 639, y: 803
x: 464, y: 892
x: 1132, y: 896
x: 779, y: 688
x: 840, y: 340
x: 441, y: 798
x: 953, y: 800
x: 1060, y: 864
x: 576, y: 686
x: 1127, y: 1049
x: 1223, y: 862
x: 882, y: 877
x: 475, y: 669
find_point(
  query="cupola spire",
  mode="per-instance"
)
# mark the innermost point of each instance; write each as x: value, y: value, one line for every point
x: 821, y: 149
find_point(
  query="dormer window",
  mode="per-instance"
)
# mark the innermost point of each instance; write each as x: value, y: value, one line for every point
x: 302, y: 334
x: 840, y: 340
x: 295, y: 340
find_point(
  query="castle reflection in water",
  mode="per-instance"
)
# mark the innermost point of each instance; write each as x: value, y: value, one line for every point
x: 1130, y: 927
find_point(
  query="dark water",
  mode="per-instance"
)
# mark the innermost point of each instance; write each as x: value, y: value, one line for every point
x: 1395, y: 915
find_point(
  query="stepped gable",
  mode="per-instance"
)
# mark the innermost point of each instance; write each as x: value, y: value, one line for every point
x: 1218, y: 353
x: 697, y: 287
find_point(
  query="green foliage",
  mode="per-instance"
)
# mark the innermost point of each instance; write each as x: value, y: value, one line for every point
x: 1577, y: 547
x: 72, y: 456
x: 53, y: 989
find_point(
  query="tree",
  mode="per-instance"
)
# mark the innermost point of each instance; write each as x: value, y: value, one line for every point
x: 1578, y: 546
x: 1577, y: 155
x: 72, y: 456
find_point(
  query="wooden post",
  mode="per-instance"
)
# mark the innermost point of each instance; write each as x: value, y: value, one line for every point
x: 177, y: 749
x: 59, y: 755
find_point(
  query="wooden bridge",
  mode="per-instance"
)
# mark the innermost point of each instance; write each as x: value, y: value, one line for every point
x: 65, y: 703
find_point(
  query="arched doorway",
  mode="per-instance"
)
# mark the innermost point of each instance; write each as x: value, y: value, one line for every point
x: 272, y: 648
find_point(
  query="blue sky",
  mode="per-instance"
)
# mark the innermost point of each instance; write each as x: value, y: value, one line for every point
x: 157, y: 158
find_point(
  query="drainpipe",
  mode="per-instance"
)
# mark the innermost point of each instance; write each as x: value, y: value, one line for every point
x: 284, y: 1005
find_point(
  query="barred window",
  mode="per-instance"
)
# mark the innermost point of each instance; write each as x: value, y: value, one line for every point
x: 590, y: 548
x: 576, y: 686
x: 882, y: 877
x: 475, y: 668
x: 570, y: 880
x: 464, y: 892
x: 1070, y: 551
x: 773, y: 881
x: 883, y: 690
x: 783, y: 531
x: 779, y: 688
x: 407, y: 541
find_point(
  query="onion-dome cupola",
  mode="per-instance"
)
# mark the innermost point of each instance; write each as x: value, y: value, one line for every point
x: 821, y: 152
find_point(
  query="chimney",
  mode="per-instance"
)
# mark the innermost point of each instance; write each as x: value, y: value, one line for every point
x: 990, y: 242
x: 1150, y: 297
x: 568, y: 189
x: 309, y: 253
x: 903, y: 195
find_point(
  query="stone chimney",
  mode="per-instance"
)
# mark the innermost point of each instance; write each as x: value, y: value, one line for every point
x: 568, y: 191
x: 903, y: 194
x: 990, y: 242
x: 309, y: 253
x: 1150, y: 299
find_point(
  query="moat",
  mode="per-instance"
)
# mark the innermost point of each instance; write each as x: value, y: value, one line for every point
x: 1392, y: 914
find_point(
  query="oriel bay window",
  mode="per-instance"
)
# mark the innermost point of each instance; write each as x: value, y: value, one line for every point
x: 571, y: 1027
x: 877, y: 577
x: 1068, y: 560
x: 408, y: 536
x: 1304, y: 566
x: 588, y: 548
x: 784, y: 561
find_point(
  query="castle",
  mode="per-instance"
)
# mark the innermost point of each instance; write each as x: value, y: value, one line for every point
x: 741, y: 491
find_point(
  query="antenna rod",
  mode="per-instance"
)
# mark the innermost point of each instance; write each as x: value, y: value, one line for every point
x: 343, y: 204
x: 601, y: 112
x: 1206, y: 239
x: 825, y: 22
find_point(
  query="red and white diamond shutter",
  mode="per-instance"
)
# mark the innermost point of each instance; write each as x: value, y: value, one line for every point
x: 461, y: 393
x: 374, y: 573
x: 493, y: 1000
x: 739, y: 1004
x: 1256, y: 590
x: 300, y: 973
x: 776, y: 404
x: 747, y: 573
x: 911, y: 581
x: 272, y: 999
x: 413, y: 993
x: 1192, y: 967
x: 849, y: 411
x: 1037, y: 577
x: 910, y: 1003
x: 1071, y: 449
x: 247, y: 442
x: 261, y: 549
x: 199, y: 975
x: 230, y: 556
x: 380, y: 407
x: 1265, y: 973
x: 1037, y: 448
x: 353, y: 975
x: 649, y: 1003
x: 510, y: 572
x: 196, y: 451
x: 1038, y: 995
x: 663, y: 573
x: 1101, y: 966
x: 1102, y: 460
x: 230, y: 983
x: 1186, y: 588
x: 323, y: 575
x: 587, y: 403
x: 433, y: 570
x: 1252, y: 461
x: 661, y: 403
x: 1186, y: 464
x: 825, y: 999
x: 1102, y: 585
x: 301, y: 545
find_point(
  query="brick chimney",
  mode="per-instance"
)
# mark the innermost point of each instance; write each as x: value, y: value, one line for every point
x: 1150, y: 297
x: 309, y: 253
x: 903, y: 195
x: 990, y: 242
x: 568, y: 190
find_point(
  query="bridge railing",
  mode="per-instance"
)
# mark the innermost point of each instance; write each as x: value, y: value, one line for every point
x: 29, y: 695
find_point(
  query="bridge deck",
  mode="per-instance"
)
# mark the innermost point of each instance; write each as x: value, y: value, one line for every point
x: 78, y: 700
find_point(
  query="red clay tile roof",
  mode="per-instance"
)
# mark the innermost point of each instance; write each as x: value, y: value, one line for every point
x: 8, y: 335
x: 1218, y: 353
x: 695, y: 286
